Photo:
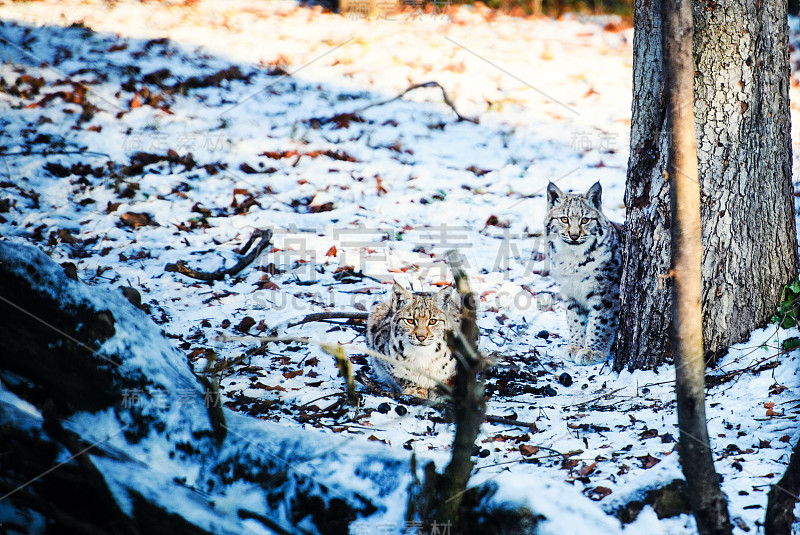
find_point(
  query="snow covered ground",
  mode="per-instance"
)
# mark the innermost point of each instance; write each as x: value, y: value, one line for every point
x: 189, y: 126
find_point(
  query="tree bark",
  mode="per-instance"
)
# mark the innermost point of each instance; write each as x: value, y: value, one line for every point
x: 709, y: 504
x: 642, y: 337
x: 783, y: 497
x: 742, y: 120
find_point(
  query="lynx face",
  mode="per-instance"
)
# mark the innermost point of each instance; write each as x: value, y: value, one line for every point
x: 418, y: 320
x: 411, y: 328
x: 573, y: 217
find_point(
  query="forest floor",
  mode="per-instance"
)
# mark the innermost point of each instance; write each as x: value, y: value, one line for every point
x: 135, y: 135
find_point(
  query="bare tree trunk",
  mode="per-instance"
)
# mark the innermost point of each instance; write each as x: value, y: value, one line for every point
x: 708, y: 503
x: 783, y: 497
x: 742, y: 120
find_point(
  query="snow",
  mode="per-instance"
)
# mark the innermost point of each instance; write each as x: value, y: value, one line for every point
x: 391, y: 194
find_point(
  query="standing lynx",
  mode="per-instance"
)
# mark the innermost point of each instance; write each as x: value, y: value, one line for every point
x: 411, y: 328
x: 585, y: 250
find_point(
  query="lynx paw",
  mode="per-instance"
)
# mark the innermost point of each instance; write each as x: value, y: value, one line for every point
x: 418, y: 391
x: 570, y: 352
x: 587, y: 357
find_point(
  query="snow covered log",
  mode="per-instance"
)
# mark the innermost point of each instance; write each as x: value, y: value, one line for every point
x: 106, y: 430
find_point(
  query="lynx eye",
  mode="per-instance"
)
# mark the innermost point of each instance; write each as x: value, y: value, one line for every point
x: 411, y: 321
x: 565, y: 220
x: 432, y: 322
x: 584, y: 220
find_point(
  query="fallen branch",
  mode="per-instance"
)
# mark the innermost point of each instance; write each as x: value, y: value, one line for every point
x: 320, y: 121
x: 323, y: 316
x: 525, y: 460
x: 55, y: 153
x: 508, y: 421
x: 265, y: 237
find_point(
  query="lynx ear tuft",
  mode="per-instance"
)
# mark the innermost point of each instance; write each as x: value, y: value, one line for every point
x: 594, y: 196
x: 400, y: 296
x: 554, y: 195
x: 446, y: 298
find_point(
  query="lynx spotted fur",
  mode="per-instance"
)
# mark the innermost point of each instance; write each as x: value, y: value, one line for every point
x: 585, y: 250
x: 411, y: 328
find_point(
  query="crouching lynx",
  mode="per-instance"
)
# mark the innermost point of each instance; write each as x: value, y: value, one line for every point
x: 585, y: 250
x: 411, y: 328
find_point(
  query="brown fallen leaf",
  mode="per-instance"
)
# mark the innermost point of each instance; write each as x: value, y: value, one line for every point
x: 332, y: 251
x: 527, y: 450
x: 777, y: 389
x: 569, y: 464
x: 648, y: 461
x: 586, y: 469
x: 381, y: 189
x: 648, y: 433
x: 266, y: 284
x: 133, y: 219
x: 318, y: 208
x: 598, y: 493
x: 66, y: 236
x: 290, y: 375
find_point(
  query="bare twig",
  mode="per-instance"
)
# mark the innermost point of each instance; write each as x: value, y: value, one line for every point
x: 508, y: 421
x: 523, y: 460
x: 265, y: 237
x: 55, y: 153
x: 321, y: 121
x: 323, y: 316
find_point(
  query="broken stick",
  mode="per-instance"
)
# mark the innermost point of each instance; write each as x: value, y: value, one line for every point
x: 445, y: 96
x: 324, y: 316
x: 265, y: 237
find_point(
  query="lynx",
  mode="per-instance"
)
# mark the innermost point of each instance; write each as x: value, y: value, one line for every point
x: 585, y: 250
x: 411, y: 328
